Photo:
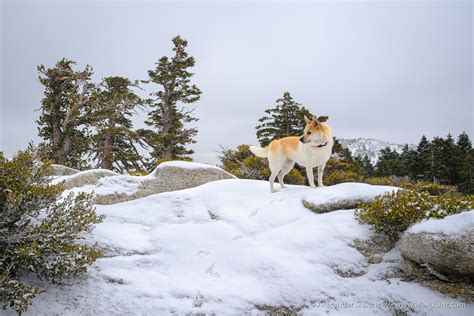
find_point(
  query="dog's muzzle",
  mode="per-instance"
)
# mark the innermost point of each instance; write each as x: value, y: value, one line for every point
x: 301, y: 140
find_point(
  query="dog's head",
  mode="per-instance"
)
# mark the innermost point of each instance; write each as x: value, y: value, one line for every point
x: 314, y: 131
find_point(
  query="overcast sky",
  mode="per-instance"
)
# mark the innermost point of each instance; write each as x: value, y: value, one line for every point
x: 386, y: 70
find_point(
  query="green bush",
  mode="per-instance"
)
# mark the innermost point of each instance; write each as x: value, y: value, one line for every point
x: 338, y: 171
x: 393, y: 212
x: 340, y: 176
x: 137, y: 172
x: 379, y: 181
x: 431, y: 188
x: 419, y: 186
x: 40, y: 230
x: 388, y: 180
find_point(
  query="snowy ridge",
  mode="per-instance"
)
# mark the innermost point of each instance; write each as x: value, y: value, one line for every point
x: 229, y: 246
x: 369, y: 147
x: 450, y: 225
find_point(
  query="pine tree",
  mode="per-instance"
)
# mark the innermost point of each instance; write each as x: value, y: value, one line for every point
x: 440, y: 168
x: 62, y: 120
x: 368, y: 167
x: 341, y: 152
x: 452, y: 159
x: 169, y: 136
x: 113, y: 104
x: 408, y: 160
x: 423, y: 168
x: 286, y: 119
x: 466, y: 179
x: 389, y: 163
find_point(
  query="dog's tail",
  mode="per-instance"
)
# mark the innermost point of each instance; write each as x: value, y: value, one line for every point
x: 259, y: 151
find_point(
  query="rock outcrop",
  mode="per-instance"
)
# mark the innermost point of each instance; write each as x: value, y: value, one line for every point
x: 60, y: 170
x: 87, y: 177
x: 444, y: 245
x: 343, y: 204
x: 168, y: 176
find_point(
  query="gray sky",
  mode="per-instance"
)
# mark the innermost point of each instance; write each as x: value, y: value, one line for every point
x: 385, y: 70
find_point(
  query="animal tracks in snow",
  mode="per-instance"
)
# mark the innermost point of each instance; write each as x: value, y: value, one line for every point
x: 210, y: 271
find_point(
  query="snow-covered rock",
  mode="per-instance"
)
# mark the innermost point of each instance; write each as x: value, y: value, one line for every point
x: 445, y: 245
x: 168, y: 176
x: 88, y: 177
x: 345, y: 196
x: 232, y: 247
x: 60, y: 170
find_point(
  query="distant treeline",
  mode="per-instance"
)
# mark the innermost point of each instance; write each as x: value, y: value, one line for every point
x: 441, y: 160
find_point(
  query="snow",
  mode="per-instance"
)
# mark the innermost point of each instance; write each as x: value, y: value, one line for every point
x: 450, y: 225
x: 184, y: 165
x: 229, y: 246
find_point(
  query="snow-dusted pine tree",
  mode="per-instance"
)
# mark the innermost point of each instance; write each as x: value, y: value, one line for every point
x: 169, y: 135
x: 114, y: 144
x: 286, y: 119
x: 62, y: 120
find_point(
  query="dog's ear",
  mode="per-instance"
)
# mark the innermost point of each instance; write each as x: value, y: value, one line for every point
x: 306, y: 119
x: 323, y: 118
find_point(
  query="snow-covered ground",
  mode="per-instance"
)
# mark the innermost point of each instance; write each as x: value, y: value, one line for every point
x: 229, y: 247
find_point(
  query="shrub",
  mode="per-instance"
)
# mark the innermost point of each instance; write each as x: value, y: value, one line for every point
x: 420, y: 186
x: 137, y: 172
x: 379, y: 181
x: 431, y: 188
x: 338, y: 171
x: 388, y: 180
x: 340, y: 176
x: 393, y: 212
x: 39, y: 230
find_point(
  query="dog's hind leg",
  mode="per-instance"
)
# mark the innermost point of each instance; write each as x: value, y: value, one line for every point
x: 283, y: 172
x: 273, y: 175
x: 320, y: 175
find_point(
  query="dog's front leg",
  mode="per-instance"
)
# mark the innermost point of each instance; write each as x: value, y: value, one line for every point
x: 320, y: 175
x: 309, y: 174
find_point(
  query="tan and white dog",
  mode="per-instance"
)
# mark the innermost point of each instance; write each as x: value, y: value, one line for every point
x: 313, y: 149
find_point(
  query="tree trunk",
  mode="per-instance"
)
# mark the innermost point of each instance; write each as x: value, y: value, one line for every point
x: 106, y: 162
x: 167, y: 121
x: 56, y: 136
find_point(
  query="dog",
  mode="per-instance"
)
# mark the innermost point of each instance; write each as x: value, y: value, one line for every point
x: 312, y: 149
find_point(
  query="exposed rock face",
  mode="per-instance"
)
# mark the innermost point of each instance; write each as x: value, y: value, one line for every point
x: 344, y: 204
x: 87, y: 177
x: 374, y: 248
x: 167, y: 177
x: 60, y: 170
x: 447, y: 254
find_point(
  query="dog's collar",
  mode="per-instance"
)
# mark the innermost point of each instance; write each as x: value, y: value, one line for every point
x: 320, y: 145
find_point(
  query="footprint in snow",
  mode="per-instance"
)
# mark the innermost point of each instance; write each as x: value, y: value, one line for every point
x: 254, y: 213
x: 236, y: 237
x: 203, y: 253
x: 210, y: 271
x: 198, y: 299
